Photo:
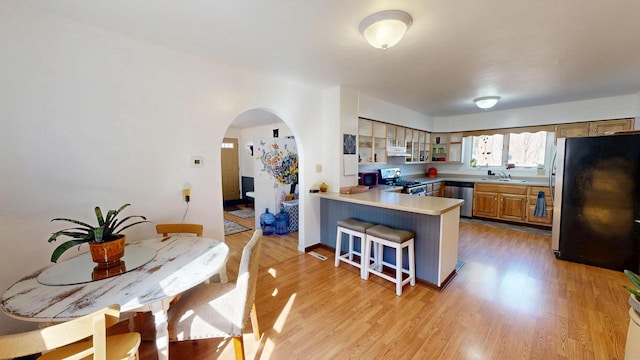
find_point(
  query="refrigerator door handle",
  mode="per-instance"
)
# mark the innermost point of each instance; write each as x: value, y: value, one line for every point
x: 551, y: 173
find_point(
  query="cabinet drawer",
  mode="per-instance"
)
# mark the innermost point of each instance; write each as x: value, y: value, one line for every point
x: 534, y: 190
x: 437, y: 186
x: 540, y: 220
x: 504, y: 189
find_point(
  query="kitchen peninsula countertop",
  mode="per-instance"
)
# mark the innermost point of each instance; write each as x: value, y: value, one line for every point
x: 386, y: 198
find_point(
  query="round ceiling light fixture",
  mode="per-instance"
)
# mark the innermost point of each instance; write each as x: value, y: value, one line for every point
x: 385, y: 28
x: 486, y: 102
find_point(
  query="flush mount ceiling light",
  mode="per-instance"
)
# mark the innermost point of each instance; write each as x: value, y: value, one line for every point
x: 386, y: 28
x: 486, y: 102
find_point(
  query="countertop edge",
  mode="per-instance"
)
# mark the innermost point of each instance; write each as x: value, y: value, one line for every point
x: 354, y: 199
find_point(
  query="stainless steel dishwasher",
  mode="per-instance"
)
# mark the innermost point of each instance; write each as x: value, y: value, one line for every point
x: 461, y: 190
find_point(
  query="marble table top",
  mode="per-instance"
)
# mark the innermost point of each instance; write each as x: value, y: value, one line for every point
x: 181, y: 262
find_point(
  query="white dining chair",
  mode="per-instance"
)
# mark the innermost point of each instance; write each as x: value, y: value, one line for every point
x: 217, y: 310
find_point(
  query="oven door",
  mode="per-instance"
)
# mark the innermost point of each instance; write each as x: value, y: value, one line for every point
x: 417, y: 190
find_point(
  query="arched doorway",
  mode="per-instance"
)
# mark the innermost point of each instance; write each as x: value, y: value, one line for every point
x: 259, y: 135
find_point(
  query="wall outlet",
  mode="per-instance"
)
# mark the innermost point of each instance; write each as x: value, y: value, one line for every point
x: 186, y: 194
x: 318, y: 168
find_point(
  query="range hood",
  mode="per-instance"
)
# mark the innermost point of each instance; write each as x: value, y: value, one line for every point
x: 397, y: 151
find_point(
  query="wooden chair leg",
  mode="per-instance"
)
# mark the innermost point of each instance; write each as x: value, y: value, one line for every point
x: 238, y: 346
x: 254, y: 322
x: 223, y: 274
x: 136, y: 322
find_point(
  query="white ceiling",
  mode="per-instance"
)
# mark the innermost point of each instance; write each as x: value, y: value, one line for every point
x: 530, y: 52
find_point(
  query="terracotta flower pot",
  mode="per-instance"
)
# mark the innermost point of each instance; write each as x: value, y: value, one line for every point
x: 105, y: 272
x: 108, y: 254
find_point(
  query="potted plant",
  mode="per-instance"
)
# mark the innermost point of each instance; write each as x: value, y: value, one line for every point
x: 105, y: 241
x: 634, y: 297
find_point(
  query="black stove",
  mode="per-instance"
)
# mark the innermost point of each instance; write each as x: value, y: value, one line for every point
x: 414, y: 188
x: 392, y: 177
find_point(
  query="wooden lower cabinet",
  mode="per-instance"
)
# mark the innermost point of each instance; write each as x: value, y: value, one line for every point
x: 485, y: 203
x: 512, y: 207
x: 438, y: 189
x: 510, y: 202
x: 435, y: 189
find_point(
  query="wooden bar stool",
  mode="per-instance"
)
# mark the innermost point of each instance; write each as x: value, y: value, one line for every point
x: 380, y: 236
x: 353, y: 228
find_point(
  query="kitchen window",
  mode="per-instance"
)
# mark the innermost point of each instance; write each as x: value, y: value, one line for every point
x: 523, y: 149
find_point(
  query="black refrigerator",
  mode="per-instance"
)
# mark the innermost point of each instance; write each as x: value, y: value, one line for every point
x: 597, y: 201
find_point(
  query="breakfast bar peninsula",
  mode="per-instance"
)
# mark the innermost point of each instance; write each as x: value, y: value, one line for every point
x: 434, y: 220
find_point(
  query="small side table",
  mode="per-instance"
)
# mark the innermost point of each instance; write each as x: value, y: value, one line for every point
x: 291, y: 208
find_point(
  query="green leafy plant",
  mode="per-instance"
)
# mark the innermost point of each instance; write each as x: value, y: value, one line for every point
x: 635, y: 280
x: 108, y: 229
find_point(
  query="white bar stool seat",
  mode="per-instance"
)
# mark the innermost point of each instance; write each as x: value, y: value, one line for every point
x: 380, y: 236
x: 354, y: 228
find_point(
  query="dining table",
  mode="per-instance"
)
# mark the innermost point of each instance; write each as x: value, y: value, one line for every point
x: 151, y: 273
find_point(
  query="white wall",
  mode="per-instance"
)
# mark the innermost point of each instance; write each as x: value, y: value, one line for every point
x: 248, y: 135
x: 91, y: 118
x: 377, y: 109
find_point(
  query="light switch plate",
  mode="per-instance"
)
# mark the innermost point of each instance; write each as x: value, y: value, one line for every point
x: 318, y: 168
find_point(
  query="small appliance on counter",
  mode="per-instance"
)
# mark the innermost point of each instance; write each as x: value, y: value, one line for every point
x: 432, y: 172
x: 392, y: 176
x: 369, y: 178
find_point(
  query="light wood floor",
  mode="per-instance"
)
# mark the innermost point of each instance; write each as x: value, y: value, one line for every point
x: 511, y: 300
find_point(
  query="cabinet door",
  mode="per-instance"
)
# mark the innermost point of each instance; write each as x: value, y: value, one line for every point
x: 365, y: 141
x: 438, y: 189
x: 512, y: 207
x: 379, y: 142
x: 426, y: 147
x: 400, y: 135
x: 455, y: 147
x: 439, y: 147
x: 538, y: 220
x: 598, y: 128
x: 572, y: 130
x: 485, y: 204
x: 533, y: 198
x: 415, y: 147
x: 408, y: 145
x: 391, y: 136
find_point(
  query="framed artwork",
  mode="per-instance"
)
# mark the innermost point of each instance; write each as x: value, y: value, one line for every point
x: 349, y: 144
